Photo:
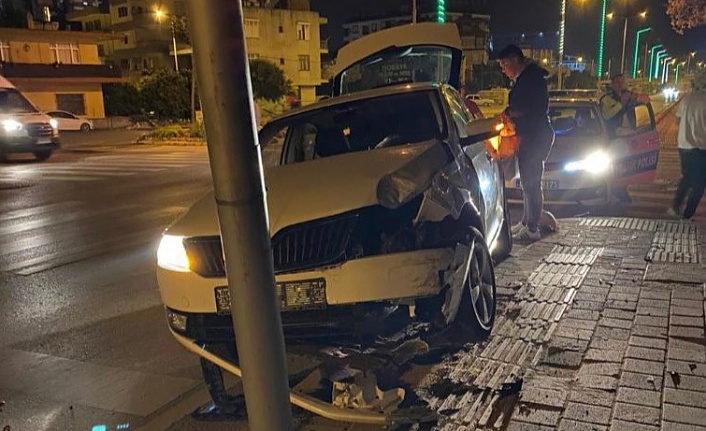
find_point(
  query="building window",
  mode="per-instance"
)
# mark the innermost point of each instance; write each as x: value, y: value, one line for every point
x: 366, y: 29
x: 66, y: 53
x: 373, y: 27
x: 281, y: 61
x: 356, y: 29
x: 122, y: 11
x: 126, y: 39
x: 304, y: 63
x: 303, y: 31
x: 281, y: 29
x: 74, y: 103
x: 125, y: 64
x: 4, y: 51
x: 101, y: 51
x: 253, y: 56
x: 89, y: 26
x: 97, y: 25
x: 252, y: 28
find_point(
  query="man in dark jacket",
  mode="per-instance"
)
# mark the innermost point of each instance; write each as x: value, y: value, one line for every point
x: 528, y: 109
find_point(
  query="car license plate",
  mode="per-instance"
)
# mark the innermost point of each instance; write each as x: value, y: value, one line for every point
x: 546, y: 184
x: 295, y: 295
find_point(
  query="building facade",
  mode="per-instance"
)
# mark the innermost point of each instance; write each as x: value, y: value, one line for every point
x: 57, y: 69
x: 287, y: 37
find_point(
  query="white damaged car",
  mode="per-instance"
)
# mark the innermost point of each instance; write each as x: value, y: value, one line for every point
x: 380, y: 201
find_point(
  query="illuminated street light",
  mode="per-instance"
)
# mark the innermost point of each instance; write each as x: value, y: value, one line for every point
x: 159, y: 14
x: 692, y: 54
x: 601, y: 38
x: 658, y: 62
x: 637, y: 48
x: 652, y: 60
x: 580, y: 59
x: 665, y: 68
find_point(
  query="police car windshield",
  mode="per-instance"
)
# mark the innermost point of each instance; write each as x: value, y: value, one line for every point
x: 13, y: 102
x: 573, y: 121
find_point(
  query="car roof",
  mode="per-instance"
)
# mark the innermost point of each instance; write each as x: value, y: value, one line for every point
x: 387, y: 90
x: 572, y: 101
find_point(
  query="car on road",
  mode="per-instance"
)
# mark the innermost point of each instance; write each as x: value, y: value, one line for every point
x: 67, y: 121
x: 479, y: 100
x: 24, y: 129
x: 592, y: 162
x: 383, y: 203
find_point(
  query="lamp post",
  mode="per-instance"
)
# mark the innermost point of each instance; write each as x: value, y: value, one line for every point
x: 658, y: 62
x: 159, y: 14
x: 652, y: 60
x: 625, y: 34
x: 637, y: 48
x: 676, y: 75
x: 692, y: 54
x: 665, y: 69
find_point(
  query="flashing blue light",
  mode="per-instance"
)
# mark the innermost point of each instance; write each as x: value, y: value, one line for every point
x: 99, y: 428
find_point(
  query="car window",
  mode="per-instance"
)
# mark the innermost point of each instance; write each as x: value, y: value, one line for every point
x: 362, y: 125
x: 62, y: 115
x: 634, y: 121
x: 13, y: 102
x: 575, y: 121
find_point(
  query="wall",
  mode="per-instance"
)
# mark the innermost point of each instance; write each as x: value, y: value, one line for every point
x: 43, y: 95
x: 40, y: 53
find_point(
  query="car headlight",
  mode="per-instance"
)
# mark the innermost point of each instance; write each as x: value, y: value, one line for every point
x: 53, y: 123
x: 171, y: 254
x: 595, y: 163
x: 12, y: 125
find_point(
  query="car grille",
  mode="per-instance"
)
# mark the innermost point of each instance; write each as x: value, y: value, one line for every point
x: 298, y: 247
x: 37, y: 130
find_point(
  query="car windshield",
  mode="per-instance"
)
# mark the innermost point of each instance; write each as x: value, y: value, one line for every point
x: 362, y: 125
x: 13, y: 102
x: 399, y: 65
x: 575, y: 121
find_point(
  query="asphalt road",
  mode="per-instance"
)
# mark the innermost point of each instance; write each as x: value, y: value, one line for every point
x: 84, y: 340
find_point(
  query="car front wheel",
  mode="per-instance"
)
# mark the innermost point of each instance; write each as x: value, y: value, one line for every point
x: 42, y: 155
x: 85, y: 127
x: 478, y: 305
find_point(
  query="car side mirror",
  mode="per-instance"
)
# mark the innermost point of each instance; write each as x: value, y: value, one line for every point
x: 481, y: 129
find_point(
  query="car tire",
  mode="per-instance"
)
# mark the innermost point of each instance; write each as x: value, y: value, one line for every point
x: 85, y: 127
x: 42, y: 155
x: 504, y: 247
x: 478, y: 305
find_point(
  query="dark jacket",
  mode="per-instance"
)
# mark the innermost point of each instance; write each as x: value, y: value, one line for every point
x: 529, y: 101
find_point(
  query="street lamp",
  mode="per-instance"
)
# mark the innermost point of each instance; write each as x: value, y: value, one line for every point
x: 652, y: 60
x: 159, y: 14
x: 692, y: 54
x: 665, y: 68
x: 637, y: 47
x: 625, y: 35
x: 658, y: 62
x: 676, y: 76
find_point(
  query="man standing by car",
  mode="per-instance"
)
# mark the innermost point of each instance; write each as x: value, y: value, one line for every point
x: 617, y: 104
x: 692, y: 149
x: 528, y: 108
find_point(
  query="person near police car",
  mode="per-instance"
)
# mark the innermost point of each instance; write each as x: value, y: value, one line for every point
x: 691, y: 141
x: 528, y: 109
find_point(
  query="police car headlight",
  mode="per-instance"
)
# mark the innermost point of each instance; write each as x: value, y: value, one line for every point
x: 11, y: 126
x: 596, y: 163
x: 171, y: 254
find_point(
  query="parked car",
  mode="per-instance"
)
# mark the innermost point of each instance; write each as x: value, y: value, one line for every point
x: 24, y: 129
x: 381, y: 201
x: 592, y: 163
x: 479, y: 100
x: 68, y: 121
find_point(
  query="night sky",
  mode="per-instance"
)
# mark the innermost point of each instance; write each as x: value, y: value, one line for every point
x: 534, y: 16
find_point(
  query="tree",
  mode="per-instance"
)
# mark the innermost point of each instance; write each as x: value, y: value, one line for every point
x: 12, y: 16
x: 486, y: 76
x: 166, y: 92
x: 686, y: 14
x: 580, y: 80
x: 121, y: 99
x: 268, y: 81
x: 181, y: 29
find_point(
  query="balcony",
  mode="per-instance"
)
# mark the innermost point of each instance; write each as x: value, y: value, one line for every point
x: 92, y: 72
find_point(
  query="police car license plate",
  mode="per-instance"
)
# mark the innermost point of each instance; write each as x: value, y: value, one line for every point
x: 546, y: 184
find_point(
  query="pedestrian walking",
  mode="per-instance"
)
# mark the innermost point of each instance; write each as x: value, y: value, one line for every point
x: 691, y: 140
x: 528, y: 109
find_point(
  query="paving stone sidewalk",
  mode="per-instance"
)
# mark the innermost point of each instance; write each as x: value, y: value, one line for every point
x: 602, y: 323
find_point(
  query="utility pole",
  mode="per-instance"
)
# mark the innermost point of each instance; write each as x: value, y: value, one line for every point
x: 223, y: 75
x: 625, y: 39
x: 414, y: 11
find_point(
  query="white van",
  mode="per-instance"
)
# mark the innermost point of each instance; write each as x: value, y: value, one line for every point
x: 23, y: 129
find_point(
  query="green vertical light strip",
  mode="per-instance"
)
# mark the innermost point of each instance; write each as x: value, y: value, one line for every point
x: 648, y: 72
x: 601, y: 38
x: 562, y: 31
x: 658, y: 62
x: 637, y: 48
x: 441, y: 11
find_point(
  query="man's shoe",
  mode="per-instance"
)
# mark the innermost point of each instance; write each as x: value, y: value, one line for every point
x: 516, y: 228
x: 525, y: 234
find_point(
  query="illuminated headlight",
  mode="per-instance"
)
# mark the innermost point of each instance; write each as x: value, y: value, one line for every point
x: 11, y: 126
x: 171, y: 254
x: 54, y: 124
x: 596, y: 163
x: 176, y: 320
x: 668, y: 92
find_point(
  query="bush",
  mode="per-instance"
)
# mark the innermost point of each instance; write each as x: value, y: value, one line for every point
x: 167, y: 93
x: 169, y: 132
x: 121, y: 99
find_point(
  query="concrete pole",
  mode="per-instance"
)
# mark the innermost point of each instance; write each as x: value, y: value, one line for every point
x: 174, y: 46
x: 414, y: 11
x: 625, y: 39
x: 226, y: 92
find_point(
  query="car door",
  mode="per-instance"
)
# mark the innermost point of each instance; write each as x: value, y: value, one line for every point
x: 635, y: 147
x: 487, y: 170
x: 423, y: 52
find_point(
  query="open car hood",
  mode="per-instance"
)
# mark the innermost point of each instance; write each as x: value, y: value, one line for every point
x: 325, y: 187
x: 424, y: 52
